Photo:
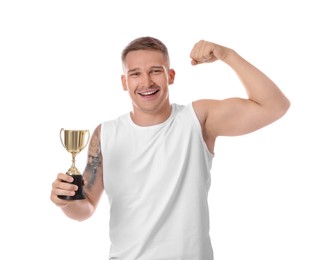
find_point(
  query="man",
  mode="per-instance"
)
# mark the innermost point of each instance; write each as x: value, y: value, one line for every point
x: 154, y: 162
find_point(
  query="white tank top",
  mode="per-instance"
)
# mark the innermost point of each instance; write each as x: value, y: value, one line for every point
x: 157, y: 180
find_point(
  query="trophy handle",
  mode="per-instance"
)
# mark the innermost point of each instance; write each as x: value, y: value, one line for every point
x: 61, y: 131
x: 87, y: 140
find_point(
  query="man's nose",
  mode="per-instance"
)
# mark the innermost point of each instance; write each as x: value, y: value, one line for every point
x: 146, y: 80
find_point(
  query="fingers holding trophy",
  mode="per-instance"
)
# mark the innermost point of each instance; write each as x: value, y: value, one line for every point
x: 74, y: 141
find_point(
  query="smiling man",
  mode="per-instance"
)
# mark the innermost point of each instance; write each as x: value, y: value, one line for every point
x: 147, y: 77
x: 154, y: 163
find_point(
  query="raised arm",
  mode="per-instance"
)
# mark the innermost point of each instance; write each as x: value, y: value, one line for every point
x: 237, y: 116
x: 93, y: 184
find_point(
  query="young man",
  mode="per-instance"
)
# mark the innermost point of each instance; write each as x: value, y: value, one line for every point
x: 154, y: 162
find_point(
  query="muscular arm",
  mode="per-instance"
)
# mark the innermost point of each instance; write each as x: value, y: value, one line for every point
x: 93, y: 184
x: 237, y: 116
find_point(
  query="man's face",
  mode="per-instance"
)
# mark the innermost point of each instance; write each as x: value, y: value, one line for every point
x: 146, y: 78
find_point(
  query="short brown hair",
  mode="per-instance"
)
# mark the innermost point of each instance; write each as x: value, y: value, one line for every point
x: 145, y: 43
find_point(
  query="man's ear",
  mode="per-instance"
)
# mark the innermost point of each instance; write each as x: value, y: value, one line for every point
x: 124, y: 82
x: 171, y: 76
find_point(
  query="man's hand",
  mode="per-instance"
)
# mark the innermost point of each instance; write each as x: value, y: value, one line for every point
x: 206, y: 52
x: 62, y: 186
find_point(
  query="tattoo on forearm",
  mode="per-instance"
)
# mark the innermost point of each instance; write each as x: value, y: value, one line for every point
x: 91, y: 170
x: 94, y: 159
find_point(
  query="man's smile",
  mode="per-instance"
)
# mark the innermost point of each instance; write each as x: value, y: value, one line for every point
x: 148, y: 93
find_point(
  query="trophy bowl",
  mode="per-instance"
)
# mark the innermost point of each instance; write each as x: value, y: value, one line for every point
x: 74, y: 141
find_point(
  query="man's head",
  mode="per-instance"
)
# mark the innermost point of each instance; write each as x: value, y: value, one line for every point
x: 147, y: 75
x: 145, y: 43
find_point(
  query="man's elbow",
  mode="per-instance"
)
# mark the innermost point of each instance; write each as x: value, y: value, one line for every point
x: 282, y: 107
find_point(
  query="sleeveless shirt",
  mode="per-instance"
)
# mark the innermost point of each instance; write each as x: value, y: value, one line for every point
x: 157, y: 180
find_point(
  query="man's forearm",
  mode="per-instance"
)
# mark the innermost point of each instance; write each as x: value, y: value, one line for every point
x: 78, y: 210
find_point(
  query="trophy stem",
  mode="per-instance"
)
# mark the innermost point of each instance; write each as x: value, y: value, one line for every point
x: 73, y: 160
x: 73, y: 156
x: 73, y: 170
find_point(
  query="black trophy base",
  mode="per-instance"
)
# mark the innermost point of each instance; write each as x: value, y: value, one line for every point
x: 79, y: 195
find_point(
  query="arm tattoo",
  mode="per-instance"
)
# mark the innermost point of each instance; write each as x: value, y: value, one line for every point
x: 94, y: 159
x: 91, y: 169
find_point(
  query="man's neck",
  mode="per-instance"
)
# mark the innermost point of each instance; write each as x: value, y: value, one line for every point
x: 146, y: 118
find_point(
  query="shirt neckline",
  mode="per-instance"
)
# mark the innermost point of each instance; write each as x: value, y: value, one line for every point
x: 157, y: 126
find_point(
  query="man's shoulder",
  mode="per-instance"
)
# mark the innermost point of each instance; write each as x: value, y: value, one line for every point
x: 181, y: 107
x: 184, y: 113
x: 117, y: 120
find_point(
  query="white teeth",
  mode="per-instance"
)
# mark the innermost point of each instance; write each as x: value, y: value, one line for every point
x: 148, y: 93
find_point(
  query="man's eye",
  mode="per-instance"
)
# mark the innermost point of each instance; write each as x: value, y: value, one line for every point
x: 135, y: 74
x: 155, y: 71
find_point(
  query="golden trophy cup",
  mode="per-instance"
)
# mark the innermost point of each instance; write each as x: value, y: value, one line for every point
x: 74, y: 142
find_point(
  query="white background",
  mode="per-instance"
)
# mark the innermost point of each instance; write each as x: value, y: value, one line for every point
x: 60, y: 67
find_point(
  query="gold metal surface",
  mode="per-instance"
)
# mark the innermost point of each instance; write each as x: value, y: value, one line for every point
x: 74, y: 141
